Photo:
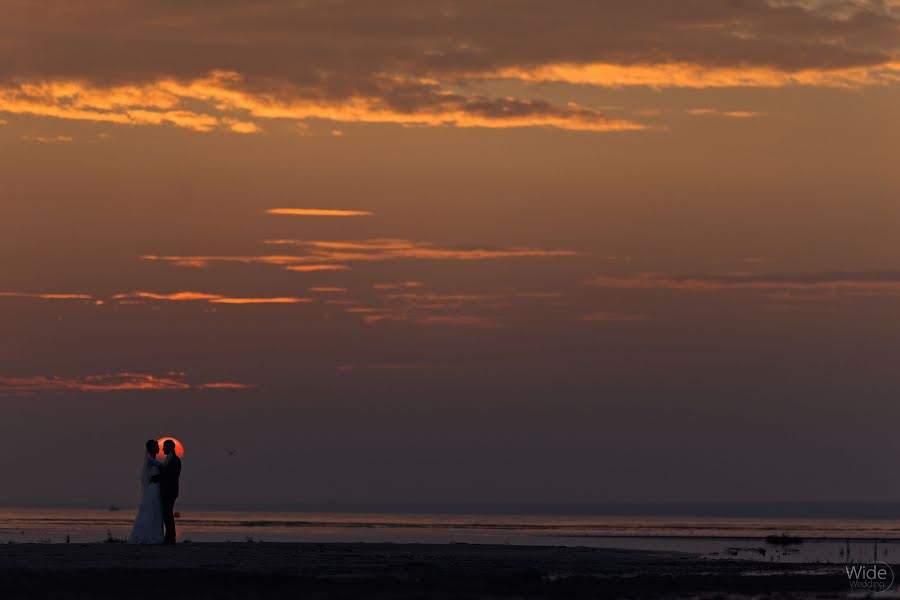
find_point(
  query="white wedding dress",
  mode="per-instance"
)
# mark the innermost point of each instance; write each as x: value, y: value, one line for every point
x: 148, y: 525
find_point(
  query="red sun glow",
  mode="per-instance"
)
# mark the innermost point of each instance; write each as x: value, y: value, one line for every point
x: 179, y: 448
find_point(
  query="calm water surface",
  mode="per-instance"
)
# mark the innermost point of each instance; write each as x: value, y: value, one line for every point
x: 824, y: 540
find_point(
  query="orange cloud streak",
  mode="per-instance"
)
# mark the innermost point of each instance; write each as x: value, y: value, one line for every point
x: 688, y: 75
x: 211, y: 298
x: 371, y: 244
x: 281, y: 300
x: 732, y: 114
x: 392, y: 249
x: 338, y: 252
x: 163, y: 101
x: 312, y: 268
x: 46, y: 296
x: 176, y: 297
x: 317, y: 212
x: 108, y: 382
x: 48, y: 139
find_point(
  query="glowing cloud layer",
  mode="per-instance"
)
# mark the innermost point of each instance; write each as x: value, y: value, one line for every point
x: 109, y: 382
x: 41, y: 296
x: 420, y: 62
x: 227, y: 105
x: 334, y: 253
x: 204, y: 297
x: 691, y: 75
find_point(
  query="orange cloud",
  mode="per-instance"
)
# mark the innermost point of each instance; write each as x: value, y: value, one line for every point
x: 204, y: 261
x: 46, y: 296
x: 48, y: 139
x: 211, y: 298
x: 311, y: 268
x: 108, y: 382
x: 179, y: 118
x: 164, y: 101
x: 124, y: 105
x: 690, y: 75
x: 328, y: 290
x: 317, y: 212
x: 381, y: 244
x: 176, y: 297
x: 481, y: 253
x: 732, y: 114
x: 335, y: 253
x: 433, y: 106
x: 281, y: 300
x: 241, y: 126
x: 393, y: 249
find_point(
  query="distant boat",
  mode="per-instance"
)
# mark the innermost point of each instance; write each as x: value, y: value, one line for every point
x: 113, y: 508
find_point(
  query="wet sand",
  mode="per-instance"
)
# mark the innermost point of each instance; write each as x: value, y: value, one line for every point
x: 308, y: 570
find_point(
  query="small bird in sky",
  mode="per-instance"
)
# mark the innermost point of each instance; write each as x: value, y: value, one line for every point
x: 231, y: 451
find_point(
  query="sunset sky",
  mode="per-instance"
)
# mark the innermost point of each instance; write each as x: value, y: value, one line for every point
x: 451, y: 250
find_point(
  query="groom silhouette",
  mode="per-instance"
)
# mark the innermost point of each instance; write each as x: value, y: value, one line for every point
x: 168, y: 488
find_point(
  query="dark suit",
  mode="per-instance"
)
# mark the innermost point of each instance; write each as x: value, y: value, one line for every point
x: 168, y: 492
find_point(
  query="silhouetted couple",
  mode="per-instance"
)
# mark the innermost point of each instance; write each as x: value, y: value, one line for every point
x: 159, y: 489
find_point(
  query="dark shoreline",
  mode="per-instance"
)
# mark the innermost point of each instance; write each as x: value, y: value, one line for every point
x: 335, y: 570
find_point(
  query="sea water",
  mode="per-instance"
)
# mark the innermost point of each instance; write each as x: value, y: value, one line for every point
x: 836, y: 541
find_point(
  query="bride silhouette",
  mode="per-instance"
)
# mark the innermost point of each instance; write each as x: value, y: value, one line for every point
x: 148, y: 525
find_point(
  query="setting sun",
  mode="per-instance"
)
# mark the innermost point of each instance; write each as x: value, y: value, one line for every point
x: 179, y: 448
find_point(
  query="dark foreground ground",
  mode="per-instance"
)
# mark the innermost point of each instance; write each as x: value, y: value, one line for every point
x: 356, y: 571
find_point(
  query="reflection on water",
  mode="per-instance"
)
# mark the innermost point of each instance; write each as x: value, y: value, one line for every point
x: 824, y: 540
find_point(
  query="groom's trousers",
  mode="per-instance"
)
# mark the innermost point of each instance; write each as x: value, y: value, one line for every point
x: 168, y: 514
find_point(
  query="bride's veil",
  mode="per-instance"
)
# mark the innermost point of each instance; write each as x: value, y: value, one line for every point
x: 145, y: 474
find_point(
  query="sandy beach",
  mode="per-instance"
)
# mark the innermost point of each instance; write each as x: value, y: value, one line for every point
x: 280, y: 570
